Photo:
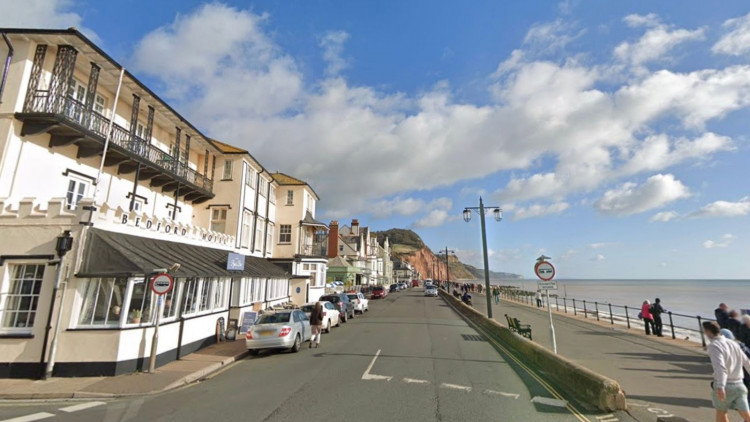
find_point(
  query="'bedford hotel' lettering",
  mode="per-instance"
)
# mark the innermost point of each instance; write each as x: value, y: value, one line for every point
x: 166, y: 228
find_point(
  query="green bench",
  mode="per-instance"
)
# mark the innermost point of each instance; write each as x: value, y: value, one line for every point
x: 515, y: 325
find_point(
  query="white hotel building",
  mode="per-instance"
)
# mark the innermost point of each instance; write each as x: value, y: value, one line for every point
x: 161, y: 193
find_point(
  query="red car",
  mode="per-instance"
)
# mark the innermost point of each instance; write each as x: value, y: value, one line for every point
x: 378, y: 292
x: 415, y: 283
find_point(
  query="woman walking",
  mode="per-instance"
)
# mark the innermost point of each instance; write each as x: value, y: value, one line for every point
x: 316, y: 324
x: 648, y: 319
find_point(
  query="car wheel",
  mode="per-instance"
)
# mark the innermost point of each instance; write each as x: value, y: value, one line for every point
x: 328, y: 327
x: 253, y: 352
x: 297, y: 345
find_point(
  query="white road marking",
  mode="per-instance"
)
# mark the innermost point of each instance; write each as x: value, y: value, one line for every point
x: 607, y: 418
x: 549, y: 401
x: 415, y: 381
x: 368, y: 376
x: 500, y: 393
x: 455, y: 387
x: 30, y: 418
x: 81, y: 406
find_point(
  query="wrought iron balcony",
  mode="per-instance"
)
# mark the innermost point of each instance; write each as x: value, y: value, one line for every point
x: 69, y: 122
x: 314, y: 249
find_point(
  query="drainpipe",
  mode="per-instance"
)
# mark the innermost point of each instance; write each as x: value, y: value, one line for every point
x: 7, y: 65
x: 109, y: 133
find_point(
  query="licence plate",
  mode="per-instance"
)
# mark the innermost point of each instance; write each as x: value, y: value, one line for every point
x: 265, y: 333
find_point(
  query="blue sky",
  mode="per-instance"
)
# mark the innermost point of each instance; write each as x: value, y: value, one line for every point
x: 614, y: 134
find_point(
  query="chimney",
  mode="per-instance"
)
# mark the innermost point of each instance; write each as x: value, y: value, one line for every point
x: 333, y: 239
x: 355, y: 227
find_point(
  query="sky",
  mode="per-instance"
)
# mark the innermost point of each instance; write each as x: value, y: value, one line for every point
x: 612, y: 134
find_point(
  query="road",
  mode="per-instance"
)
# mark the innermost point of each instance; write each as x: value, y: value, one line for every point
x: 409, y: 358
x: 665, y: 378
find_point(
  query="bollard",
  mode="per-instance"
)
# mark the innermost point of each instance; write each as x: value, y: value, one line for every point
x: 700, y: 329
x: 611, y: 317
x: 627, y: 317
x: 565, y: 304
x: 671, y: 324
x: 575, y: 312
x: 585, y: 311
x: 596, y: 305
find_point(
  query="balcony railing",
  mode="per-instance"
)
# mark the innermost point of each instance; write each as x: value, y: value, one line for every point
x: 314, y: 249
x: 75, y: 112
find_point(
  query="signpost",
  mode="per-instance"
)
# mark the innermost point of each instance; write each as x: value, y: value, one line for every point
x: 161, y: 284
x: 546, y: 272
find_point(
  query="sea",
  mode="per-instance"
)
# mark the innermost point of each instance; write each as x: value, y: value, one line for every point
x: 686, y: 297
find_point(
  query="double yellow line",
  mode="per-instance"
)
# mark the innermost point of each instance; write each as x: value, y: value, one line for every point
x: 528, y: 370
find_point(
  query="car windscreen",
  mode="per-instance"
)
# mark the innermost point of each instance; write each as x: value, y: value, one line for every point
x: 274, y: 318
x: 353, y: 296
x: 307, y: 308
x: 333, y: 299
x: 378, y: 288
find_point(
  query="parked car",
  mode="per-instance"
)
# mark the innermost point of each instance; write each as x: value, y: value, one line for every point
x: 378, y: 292
x: 279, y: 330
x: 343, y: 304
x: 431, y: 291
x: 330, y: 314
x: 415, y: 283
x: 393, y: 288
x: 404, y: 286
x: 361, y: 304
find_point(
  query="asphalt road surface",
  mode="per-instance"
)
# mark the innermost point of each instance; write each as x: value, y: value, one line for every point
x: 410, y: 358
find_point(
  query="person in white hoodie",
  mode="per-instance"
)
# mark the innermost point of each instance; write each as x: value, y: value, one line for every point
x: 727, y: 360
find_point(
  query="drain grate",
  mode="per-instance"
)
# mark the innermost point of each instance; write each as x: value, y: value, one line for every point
x: 472, y: 337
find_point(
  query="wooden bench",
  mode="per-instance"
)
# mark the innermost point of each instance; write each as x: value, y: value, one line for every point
x: 515, y: 325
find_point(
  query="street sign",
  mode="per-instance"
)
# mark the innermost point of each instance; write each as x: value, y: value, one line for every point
x: 547, y: 285
x: 544, y: 270
x: 162, y: 283
x: 235, y: 262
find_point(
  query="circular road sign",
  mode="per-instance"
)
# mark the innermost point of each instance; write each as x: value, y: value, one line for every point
x: 162, y: 283
x: 544, y: 270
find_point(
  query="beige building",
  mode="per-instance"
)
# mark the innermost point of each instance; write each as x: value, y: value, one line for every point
x: 361, y: 250
x: 90, y: 155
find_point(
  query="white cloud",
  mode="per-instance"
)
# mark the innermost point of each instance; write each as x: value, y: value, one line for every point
x: 725, y: 241
x: 663, y: 217
x: 570, y: 253
x: 736, y: 41
x: 598, y: 257
x: 54, y: 14
x: 630, y: 198
x: 659, y: 151
x: 333, y: 46
x: 724, y: 209
x: 550, y: 36
x: 600, y: 245
x: 655, y: 43
x: 539, y: 210
x: 433, y: 219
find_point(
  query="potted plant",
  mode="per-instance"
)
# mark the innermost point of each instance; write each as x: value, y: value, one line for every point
x: 135, y: 316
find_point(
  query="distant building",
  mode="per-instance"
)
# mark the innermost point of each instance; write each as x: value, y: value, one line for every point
x: 361, y: 250
x: 403, y: 271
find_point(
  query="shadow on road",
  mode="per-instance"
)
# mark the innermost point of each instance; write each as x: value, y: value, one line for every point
x: 675, y: 401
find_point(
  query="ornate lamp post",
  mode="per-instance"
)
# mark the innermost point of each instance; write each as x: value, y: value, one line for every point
x: 498, y: 214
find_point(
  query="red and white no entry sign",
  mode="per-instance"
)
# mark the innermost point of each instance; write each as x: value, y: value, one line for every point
x: 544, y: 270
x: 162, y: 283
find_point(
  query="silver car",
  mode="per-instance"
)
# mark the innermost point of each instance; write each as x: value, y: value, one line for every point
x: 279, y: 330
x: 431, y: 291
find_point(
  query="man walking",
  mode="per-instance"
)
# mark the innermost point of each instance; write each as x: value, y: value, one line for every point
x: 727, y: 360
x: 496, y: 294
x: 538, y: 297
x: 656, y: 311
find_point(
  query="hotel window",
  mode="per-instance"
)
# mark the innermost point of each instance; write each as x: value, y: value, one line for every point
x: 272, y: 194
x: 141, y: 306
x: 285, y: 233
x: 140, y: 131
x: 103, y: 300
x: 259, y: 237
x: 220, y: 288
x: 262, y: 186
x: 290, y: 197
x: 250, y: 176
x: 227, y: 170
x: 100, y: 104
x: 20, y: 297
x: 269, y: 240
x: 190, y: 296
x: 77, y: 189
x: 205, y: 297
x: 219, y: 220
x: 247, y: 223
x: 169, y: 309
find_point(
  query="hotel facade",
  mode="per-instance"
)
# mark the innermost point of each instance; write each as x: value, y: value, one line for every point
x: 103, y: 184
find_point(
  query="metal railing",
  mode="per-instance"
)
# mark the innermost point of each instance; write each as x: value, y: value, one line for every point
x: 75, y: 111
x: 615, y: 314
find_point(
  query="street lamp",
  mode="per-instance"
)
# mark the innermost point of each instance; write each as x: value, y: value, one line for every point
x: 447, y: 271
x: 497, y: 212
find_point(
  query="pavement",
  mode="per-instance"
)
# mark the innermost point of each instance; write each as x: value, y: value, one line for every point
x: 660, y: 376
x: 172, y: 375
x: 409, y: 358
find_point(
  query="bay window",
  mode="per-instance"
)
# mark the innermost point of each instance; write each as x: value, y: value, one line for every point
x: 103, y: 302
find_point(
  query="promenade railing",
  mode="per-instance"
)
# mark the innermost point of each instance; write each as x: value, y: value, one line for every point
x: 682, y: 325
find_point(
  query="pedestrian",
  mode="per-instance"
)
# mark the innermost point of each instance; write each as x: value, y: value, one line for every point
x: 648, y: 319
x: 745, y: 374
x: 316, y: 324
x: 538, y: 297
x: 734, y: 323
x: 722, y: 315
x: 744, y: 336
x: 496, y: 294
x: 727, y: 359
x: 656, y: 311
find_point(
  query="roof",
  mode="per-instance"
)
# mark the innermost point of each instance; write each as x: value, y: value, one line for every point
x: 75, y: 33
x: 286, y: 180
x: 228, y: 149
x: 310, y: 221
